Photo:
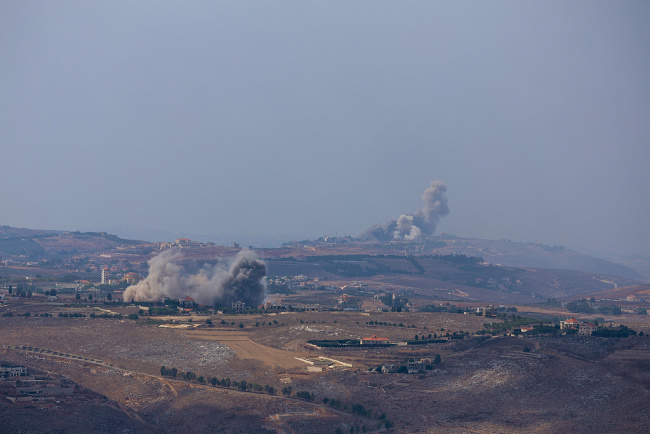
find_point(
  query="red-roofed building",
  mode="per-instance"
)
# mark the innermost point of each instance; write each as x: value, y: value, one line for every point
x: 570, y: 324
x: 188, y: 301
x: 373, y: 340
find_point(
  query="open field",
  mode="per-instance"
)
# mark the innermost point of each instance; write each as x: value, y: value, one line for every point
x: 245, y: 348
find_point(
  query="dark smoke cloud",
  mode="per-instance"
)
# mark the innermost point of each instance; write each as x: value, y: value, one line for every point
x: 420, y: 224
x: 243, y: 281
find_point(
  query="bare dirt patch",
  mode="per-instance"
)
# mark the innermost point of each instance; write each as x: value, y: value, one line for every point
x: 245, y: 348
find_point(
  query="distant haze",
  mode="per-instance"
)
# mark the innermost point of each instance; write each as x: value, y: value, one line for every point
x: 257, y: 122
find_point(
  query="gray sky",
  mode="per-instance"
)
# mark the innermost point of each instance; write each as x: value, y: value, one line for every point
x: 299, y: 119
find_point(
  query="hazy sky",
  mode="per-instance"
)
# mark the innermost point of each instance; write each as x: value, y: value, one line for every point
x: 296, y: 119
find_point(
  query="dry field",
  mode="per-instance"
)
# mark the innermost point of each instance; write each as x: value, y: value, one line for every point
x: 576, y: 385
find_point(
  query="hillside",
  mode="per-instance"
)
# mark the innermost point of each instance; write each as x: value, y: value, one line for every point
x: 44, y: 244
x: 535, y: 255
x: 507, y: 253
x: 638, y: 291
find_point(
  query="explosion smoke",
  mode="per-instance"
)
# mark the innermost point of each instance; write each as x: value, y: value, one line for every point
x: 212, y: 284
x: 421, y: 223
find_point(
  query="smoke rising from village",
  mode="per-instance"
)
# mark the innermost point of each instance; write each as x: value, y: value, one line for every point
x: 419, y: 224
x: 243, y: 280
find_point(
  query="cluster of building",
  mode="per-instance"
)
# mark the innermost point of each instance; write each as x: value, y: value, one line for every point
x: 26, y: 387
x: 582, y: 327
x: 183, y: 243
x: 131, y: 277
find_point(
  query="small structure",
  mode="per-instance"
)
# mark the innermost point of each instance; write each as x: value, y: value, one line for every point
x: 374, y: 340
x: 486, y: 311
x: 389, y: 368
x: 238, y: 305
x: 345, y: 298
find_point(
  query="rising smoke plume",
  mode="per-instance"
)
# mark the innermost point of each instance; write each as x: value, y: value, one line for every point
x: 243, y: 281
x: 420, y: 224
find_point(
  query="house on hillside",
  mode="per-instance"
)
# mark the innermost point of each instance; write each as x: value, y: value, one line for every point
x: 587, y: 329
x: 12, y: 371
x: 418, y: 366
x: 238, y: 305
x: 582, y: 327
x: 187, y: 302
x: 571, y: 323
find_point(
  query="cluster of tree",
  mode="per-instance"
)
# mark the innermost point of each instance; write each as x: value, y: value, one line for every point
x: 23, y: 290
x: 459, y: 259
x: 28, y: 314
x: 588, y: 306
x: 305, y: 395
x: 258, y: 323
x: 106, y: 315
x: 216, y: 382
x: 283, y: 288
x: 609, y: 309
x: 580, y: 306
x: 614, y: 332
x: 161, y: 311
x: 360, y: 410
x: 73, y: 315
x: 389, y: 324
x: 431, y: 339
x: 509, y: 324
x: 330, y: 343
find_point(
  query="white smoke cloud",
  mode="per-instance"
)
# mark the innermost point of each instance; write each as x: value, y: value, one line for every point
x: 244, y: 280
x: 421, y: 223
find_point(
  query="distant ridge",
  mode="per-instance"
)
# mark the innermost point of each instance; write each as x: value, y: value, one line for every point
x: 535, y: 255
x: 34, y: 243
